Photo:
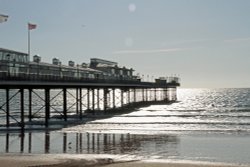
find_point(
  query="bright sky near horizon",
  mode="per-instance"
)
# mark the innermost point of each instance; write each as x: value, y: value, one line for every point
x: 205, y: 42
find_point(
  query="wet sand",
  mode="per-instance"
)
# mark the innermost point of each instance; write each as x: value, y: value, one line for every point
x: 57, y: 160
x: 23, y: 161
x: 170, y: 164
x: 61, y: 160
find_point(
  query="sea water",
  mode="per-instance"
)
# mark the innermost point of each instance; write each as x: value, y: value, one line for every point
x: 203, y: 125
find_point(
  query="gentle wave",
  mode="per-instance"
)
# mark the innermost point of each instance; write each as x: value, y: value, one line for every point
x: 174, y: 123
x: 188, y: 115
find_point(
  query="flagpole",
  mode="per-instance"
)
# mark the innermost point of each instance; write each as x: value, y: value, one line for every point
x: 28, y: 41
x: 30, y: 27
x: 28, y: 47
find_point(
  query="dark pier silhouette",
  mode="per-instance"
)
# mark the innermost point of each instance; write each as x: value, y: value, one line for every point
x: 99, y: 87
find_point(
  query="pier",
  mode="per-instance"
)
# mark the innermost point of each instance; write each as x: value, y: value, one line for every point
x: 35, y: 92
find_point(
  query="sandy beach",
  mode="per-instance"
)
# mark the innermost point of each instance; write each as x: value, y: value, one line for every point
x: 167, y: 164
x: 61, y: 160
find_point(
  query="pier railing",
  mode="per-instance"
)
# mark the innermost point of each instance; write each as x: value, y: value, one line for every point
x: 34, y: 78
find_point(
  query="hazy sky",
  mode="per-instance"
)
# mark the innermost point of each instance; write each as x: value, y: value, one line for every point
x: 205, y: 42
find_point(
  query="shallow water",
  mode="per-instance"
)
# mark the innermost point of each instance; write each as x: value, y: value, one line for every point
x: 227, y: 148
x: 205, y: 125
x: 205, y: 110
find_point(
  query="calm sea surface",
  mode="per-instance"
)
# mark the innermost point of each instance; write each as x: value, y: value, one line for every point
x: 204, y: 125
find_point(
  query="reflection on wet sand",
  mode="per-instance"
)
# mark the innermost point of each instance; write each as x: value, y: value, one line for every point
x: 88, y: 143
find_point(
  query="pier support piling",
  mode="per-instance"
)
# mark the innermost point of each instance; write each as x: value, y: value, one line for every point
x: 30, y: 142
x: 7, y: 142
x: 128, y: 95
x: 88, y: 99
x: 47, y: 142
x: 134, y: 95
x: 98, y: 99
x: 64, y: 142
x: 143, y: 95
x: 47, y: 106
x: 80, y: 102
x: 105, y: 99
x: 7, y: 108
x: 93, y: 99
x: 122, y: 97
x: 22, y: 142
x: 30, y: 105
x: 114, y: 106
x: 77, y: 101
x: 65, y: 104
x: 22, y: 107
x: 155, y: 94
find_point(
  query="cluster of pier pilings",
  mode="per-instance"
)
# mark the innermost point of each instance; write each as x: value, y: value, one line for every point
x: 34, y: 104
